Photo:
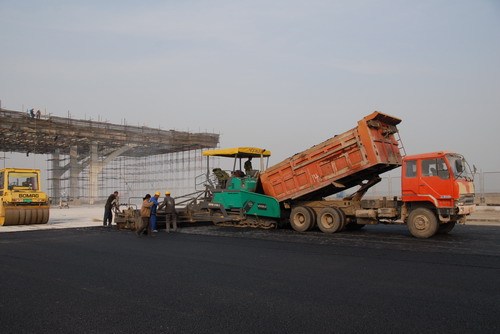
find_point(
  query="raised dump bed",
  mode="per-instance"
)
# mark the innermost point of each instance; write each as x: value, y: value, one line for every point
x: 339, y: 163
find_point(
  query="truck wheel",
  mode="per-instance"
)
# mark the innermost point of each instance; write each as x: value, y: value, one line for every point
x: 422, y: 223
x: 313, y: 218
x: 301, y: 218
x: 331, y: 220
x: 446, y: 227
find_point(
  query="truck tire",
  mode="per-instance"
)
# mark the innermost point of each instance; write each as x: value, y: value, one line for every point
x: 301, y: 218
x: 331, y: 220
x: 446, y: 227
x: 313, y: 218
x: 422, y: 223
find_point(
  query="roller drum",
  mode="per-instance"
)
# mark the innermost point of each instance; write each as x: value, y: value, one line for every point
x: 25, y: 215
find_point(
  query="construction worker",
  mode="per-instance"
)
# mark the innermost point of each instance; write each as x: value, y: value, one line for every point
x: 145, y: 216
x: 154, y: 207
x: 248, y: 165
x: 108, y: 214
x: 170, y: 213
x: 222, y: 177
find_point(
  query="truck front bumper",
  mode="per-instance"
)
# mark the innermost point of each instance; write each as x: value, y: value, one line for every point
x: 466, y: 209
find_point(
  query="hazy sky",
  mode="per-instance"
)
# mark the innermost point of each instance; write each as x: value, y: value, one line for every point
x: 282, y: 75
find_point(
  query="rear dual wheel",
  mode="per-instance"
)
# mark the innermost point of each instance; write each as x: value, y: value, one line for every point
x: 302, y: 218
x: 331, y: 220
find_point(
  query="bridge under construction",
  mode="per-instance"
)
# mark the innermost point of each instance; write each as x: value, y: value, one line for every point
x: 87, y: 160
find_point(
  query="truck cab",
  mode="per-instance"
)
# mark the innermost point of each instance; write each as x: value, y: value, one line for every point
x: 438, y: 183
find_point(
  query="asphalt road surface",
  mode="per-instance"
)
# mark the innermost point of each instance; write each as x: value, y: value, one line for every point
x: 227, y: 280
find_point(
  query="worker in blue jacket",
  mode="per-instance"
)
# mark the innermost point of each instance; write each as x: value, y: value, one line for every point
x: 152, y: 218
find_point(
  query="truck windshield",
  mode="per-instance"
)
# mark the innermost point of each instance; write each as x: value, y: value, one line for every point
x: 23, y: 180
x: 460, y: 167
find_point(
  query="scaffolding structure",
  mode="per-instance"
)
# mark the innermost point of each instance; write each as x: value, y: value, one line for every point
x: 88, y: 160
x: 133, y: 177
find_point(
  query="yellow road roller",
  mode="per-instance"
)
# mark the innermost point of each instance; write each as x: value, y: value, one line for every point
x: 22, y: 202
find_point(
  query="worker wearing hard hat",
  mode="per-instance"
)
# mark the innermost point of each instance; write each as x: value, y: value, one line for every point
x: 170, y: 213
x: 152, y: 217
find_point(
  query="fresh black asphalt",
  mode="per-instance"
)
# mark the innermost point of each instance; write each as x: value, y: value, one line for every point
x: 227, y: 280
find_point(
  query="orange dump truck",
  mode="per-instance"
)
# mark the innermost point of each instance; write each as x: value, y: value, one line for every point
x: 437, y: 188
